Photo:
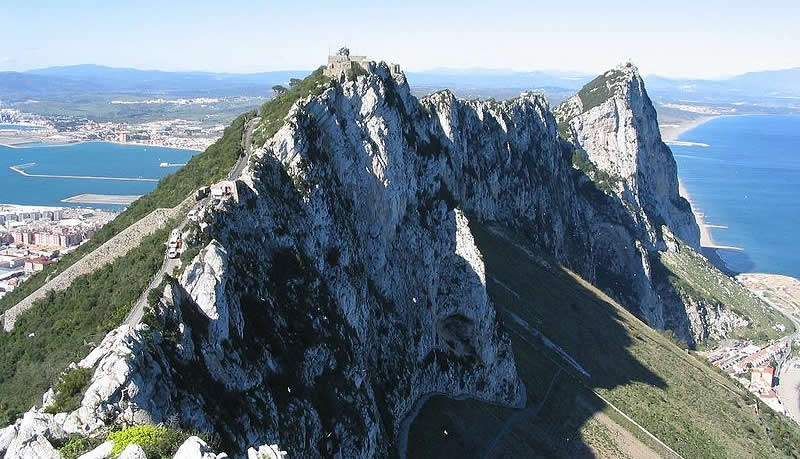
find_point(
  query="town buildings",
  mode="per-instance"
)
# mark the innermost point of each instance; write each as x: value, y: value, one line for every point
x: 33, y: 237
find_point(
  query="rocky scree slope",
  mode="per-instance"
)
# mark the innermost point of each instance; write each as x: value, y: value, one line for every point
x: 345, y: 282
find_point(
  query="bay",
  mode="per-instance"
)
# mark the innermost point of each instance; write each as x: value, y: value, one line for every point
x: 101, y: 159
x: 748, y: 179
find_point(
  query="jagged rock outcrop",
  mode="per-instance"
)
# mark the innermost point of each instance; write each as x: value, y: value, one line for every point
x: 343, y: 284
x: 612, y: 123
x: 31, y: 435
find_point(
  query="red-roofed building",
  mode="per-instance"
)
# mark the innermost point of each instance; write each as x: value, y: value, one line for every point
x: 761, y: 379
x: 36, y: 264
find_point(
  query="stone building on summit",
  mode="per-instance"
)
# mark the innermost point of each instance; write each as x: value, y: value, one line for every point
x: 342, y: 62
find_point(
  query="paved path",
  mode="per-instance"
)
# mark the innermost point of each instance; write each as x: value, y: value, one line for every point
x: 789, y: 388
x: 109, y: 251
x: 167, y: 267
x: 247, y: 146
x: 169, y: 264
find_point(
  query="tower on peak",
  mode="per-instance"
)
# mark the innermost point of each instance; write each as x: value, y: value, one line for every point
x: 342, y: 62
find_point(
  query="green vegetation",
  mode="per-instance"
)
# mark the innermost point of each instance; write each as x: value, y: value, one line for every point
x: 273, y: 112
x: 794, y: 352
x: 157, y: 442
x: 599, y: 90
x: 595, y: 93
x: 76, y: 446
x: 604, y: 181
x: 683, y: 402
x: 69, y: 390
x: 63, y: 327
x: 563, y: 130
x: 66, y: 325
x: 203, y: 169
x: 188, y: 255
x: 691, y: 274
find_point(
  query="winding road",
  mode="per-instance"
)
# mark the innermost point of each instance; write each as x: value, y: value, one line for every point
x: 169, y: 264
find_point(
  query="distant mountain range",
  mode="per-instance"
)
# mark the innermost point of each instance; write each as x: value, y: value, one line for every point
x: 55, y: 81
x: 752, y: 87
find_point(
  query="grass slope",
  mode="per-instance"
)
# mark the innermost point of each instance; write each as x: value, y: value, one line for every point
x: 204, y: 168
x: 692, y: 274
x: 677, y: 397
x: 273, y: 112
x: 64, y: 325
x: 59, y: 329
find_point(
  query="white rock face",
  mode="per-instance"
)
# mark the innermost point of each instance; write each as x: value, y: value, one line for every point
x: 194, y: 448
x: 620, y: 136
x: 266, y: 452
x: 29, y: 437
x: 132, y: 452
x: 103, y: 451
x: 345, y: 283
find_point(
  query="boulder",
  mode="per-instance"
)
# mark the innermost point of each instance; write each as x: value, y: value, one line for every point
x: 194, y: 448
x: 132, y: 452
x: 101, y: 452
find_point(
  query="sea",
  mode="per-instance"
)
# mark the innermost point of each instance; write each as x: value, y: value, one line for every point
x: 747, y: 179
x: 86, y: 159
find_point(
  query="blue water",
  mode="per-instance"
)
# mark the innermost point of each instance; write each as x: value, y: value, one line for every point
x: 93, y: 158
x: 748, y: 179
x: 15, y: 127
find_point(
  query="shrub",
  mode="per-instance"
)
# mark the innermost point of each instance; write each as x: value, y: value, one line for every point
x: 76, y: 446
x: 604, y: 181
x: 274, y: 111
x: 69, y: 390
x: 188, y: 255
x: 156, y: 441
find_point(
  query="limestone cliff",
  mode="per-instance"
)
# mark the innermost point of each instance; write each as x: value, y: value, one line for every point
x: 344, y: 283
x: 612, y: 123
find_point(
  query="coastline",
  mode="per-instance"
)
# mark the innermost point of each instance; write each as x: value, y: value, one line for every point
x: 705, y: 234
x: 79, y: 142
x: 672, y: 133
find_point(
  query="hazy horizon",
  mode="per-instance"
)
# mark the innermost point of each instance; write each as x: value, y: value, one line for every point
x: 567, y: 74
x: 677, y: 40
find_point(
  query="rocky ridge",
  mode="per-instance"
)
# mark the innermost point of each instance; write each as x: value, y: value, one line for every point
x: 345, y: 284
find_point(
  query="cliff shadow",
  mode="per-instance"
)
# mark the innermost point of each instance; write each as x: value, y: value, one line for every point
x: 571, y: 342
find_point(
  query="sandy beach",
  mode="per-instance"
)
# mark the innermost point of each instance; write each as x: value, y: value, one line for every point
x: 671, y: 132
x: 705, y: 234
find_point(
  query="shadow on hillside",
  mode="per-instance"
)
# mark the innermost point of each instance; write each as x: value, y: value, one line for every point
x: 290, y: 310
x: 532, y: 298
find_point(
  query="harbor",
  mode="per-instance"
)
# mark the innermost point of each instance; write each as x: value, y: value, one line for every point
x: 20, y: 169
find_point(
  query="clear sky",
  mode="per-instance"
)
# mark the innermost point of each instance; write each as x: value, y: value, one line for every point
x: 697, y: 38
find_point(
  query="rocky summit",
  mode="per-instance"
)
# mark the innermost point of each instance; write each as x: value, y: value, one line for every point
x: 343, y: 282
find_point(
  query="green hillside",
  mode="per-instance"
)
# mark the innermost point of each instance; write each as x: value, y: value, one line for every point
x: 65, y: 323
x: 691, y: 274
x: 674, y: 395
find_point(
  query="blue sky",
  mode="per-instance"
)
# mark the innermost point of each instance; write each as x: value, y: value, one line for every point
x: 699, y: 38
